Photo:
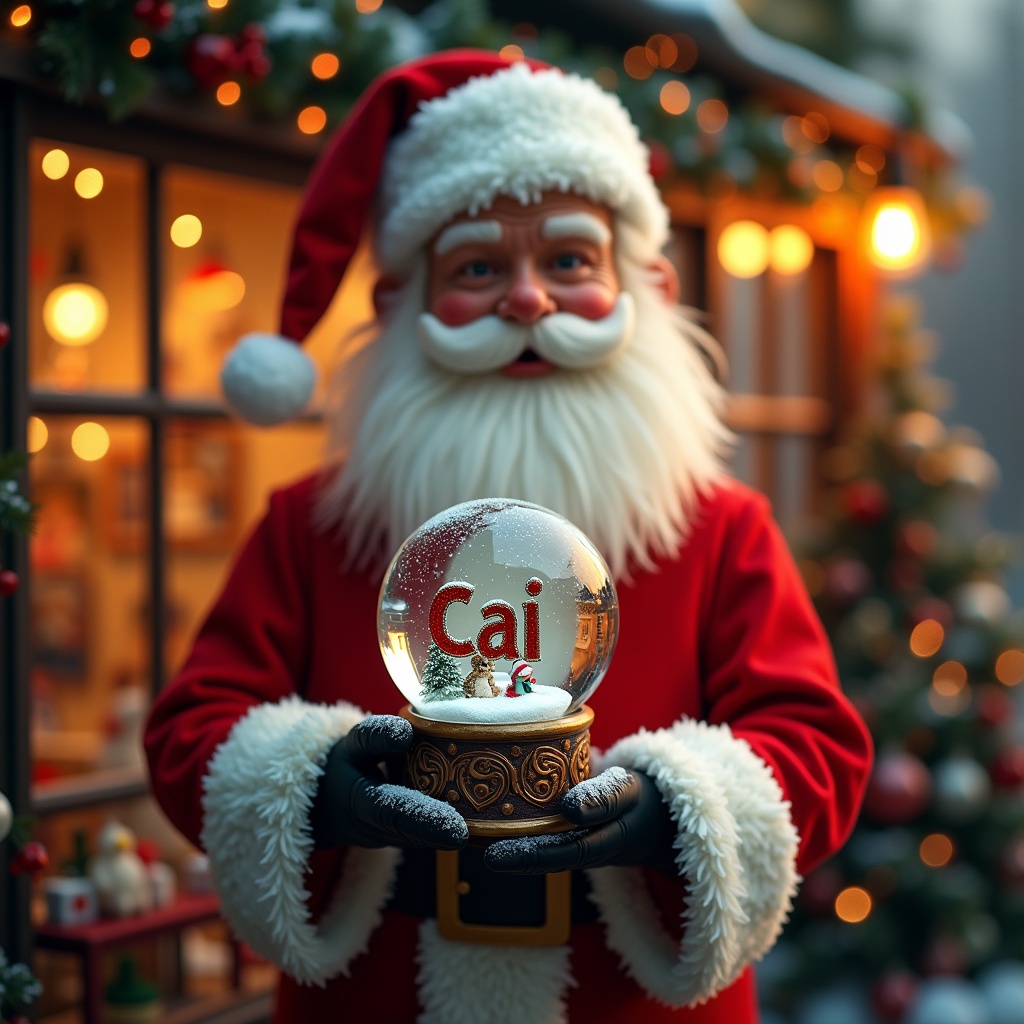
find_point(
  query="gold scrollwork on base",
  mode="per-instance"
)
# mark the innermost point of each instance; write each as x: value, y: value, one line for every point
x: 542, y: 776
x: 482, y: 779
x: 579, y: 766
x: 428, y: 769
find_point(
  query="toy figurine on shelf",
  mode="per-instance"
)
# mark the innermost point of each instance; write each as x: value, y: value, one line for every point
x: 535, y: 403
x: 119, y: 874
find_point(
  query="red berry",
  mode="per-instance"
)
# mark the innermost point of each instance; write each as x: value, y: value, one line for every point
x: 258, y: 67
x: 211, y: 59
x: 144, y: 9
x: 162, y: 16
x: 893, y: 995
x: 659, y: 161
x: 253, y: 33
x: 8, y: 582
x: 866, y: 501
x: 31, y: 859
x: 5, y: 334
x: 1007, y: 767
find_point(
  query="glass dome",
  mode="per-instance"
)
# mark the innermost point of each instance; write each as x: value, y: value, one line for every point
x: 497, y: 611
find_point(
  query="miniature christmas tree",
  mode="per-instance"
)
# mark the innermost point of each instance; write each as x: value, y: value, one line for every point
x: 924, y: 907
x: 442, y: 679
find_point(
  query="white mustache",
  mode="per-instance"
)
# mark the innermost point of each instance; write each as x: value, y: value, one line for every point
x: 564, y: 339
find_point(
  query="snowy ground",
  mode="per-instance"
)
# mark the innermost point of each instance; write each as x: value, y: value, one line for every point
x: 543, y: 705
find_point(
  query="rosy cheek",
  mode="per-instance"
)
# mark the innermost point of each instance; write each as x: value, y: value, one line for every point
x: 591, y: 301
x: 457, y: 308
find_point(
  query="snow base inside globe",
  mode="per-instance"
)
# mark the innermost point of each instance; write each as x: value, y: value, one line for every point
x: 507, y: 779
x: 539, y: 704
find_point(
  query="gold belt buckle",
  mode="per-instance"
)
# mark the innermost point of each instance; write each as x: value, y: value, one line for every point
x: 557, y: 911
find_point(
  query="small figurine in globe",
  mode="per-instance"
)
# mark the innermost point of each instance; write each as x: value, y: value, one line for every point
x: 497, y: 620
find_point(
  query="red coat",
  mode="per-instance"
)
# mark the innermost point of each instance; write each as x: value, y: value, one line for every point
x: 724, y: 633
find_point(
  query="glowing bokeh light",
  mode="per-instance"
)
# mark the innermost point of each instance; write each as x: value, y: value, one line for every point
x: 311, y: 120
x: 186, y: 230
x: 712, y: 116
x: 637, y: 62
x: 853, y: 905
x: 675, y: 98
x: 926, y: 638
x: 75, y: 313
x: 512, y: 52
x: 140, y: 47
x: 228, y: 93
x: 949, y: 679
x: 1010, y: 667
x: 90, y: 442
x: 743, y: 249
x: 936, y: 850
x: 898, y: 238
x: 56, y: 164
x: 325, y: 65
x: 791, y: 250
x: 368, y: 6
x: 21, y: 16
x: 89, y: 183
x: 38, y: 435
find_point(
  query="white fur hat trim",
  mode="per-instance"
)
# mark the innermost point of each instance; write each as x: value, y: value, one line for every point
x: 517, y: 132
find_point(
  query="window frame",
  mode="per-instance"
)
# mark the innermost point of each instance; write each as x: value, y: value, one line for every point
x: 160, y: 141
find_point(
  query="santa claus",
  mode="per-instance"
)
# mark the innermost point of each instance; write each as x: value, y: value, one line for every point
x: 527, y: 345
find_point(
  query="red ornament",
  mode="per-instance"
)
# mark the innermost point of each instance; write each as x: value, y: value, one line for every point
x: 252, y: 59
x: 253, y: 33
x: 158, y: 14
x: 659, y: 159
x: 5, y: 334
x: 866, y: 501
x: 995, y: 706
x: 1007, y: 767
x: 8, y: 582
x: 32, y: 859
x: 899, y: 789
x: 211, y: 59
x: 148, y: 851
x: 893, y: 995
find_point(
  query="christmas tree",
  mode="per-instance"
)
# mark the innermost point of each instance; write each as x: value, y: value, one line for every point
x: 920, y: 918
x: 442, y: 679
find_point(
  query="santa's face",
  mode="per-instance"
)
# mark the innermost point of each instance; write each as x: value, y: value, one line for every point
x: 493, y: 279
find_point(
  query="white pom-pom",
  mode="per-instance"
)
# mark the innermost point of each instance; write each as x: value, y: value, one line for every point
x: 267, y: 379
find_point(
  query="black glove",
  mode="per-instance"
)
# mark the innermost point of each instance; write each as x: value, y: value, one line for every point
x: 623, y: 820
x: 354, y: 804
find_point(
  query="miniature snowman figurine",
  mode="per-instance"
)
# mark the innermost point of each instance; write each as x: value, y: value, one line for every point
x: 522, y: 679
x: 119, y: 874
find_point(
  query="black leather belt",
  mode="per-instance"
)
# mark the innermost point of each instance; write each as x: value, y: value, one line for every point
x: 485, y: 897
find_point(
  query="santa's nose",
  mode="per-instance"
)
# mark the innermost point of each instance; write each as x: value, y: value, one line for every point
x: 526, y: 301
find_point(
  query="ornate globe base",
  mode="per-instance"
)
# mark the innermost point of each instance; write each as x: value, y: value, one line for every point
x: 505, y: 780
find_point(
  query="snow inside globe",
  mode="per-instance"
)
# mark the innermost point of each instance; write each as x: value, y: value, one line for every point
x: 497, y: 612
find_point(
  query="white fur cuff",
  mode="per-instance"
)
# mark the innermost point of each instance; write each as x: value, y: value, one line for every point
x: 257, y: 796
x: 737, y: 853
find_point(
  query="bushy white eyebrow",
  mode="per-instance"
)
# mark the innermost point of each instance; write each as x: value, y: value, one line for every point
x: 466, y: 232
x: 577, y: 225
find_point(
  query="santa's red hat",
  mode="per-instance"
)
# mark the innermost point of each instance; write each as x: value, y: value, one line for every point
x: 429, y: 140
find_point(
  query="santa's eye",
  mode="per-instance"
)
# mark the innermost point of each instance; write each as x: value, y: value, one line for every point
x: 476, y: 269
x: 568, y: 261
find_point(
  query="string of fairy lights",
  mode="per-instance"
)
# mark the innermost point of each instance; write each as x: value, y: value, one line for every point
x: 311, y: 63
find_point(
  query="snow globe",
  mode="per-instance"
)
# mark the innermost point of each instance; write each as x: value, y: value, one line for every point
x: 497, y: 619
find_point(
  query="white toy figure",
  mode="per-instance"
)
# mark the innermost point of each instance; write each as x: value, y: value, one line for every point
x: 119, y: 874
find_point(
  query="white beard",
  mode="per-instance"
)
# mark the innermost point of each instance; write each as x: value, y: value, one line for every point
x: 623, y: 449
